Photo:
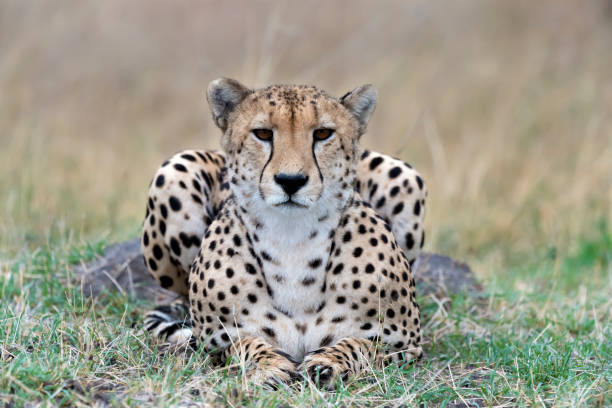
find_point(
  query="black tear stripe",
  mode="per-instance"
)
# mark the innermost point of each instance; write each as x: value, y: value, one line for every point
x: 269, y: 159
x: 315, y: 160
x: 316, y: 114
x: 292, y: 118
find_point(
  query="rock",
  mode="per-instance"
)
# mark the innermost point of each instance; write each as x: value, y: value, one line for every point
x: 121, y: 268
x: 441, y: 275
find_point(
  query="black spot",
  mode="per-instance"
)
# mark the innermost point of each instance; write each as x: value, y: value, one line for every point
x: 375, y: 162
x: 157, y: 252
x: 308, y: 281
x: 196, y: 185
x: 373, y: 241
x: 419, y: 182
x: 175, y: 203
x: 394, y: 172
x: 417, y: 208
x: 340, y: 300
x: 369, y: 268
x: 211, y: 283
x: 162, y: 227
x: 268, y: 331
x: 237, y: 240
x: 176, y: 247
x: 229, y: 272
x: 196, y: 198
x: 145, y: 238
x: 409, y: 241
x: 347, y: 236
x: 159, y: 181
x: 185, y: 239
x: 252, y: 298
x: 366, y: 326
x: 394, y: 191
x: 315, y: 263
x: 326, y: 341
x: 152, y: 264
x: 250, y: 269
x: 180, y: 167
x: 165, y: 281
x: 390, y: 313
x: 356, y: 284
x: 398, y: 208
x: 164, y: 210
x: 380, y: 202
x: 234, y: 290
x: 338, y: 269
x: 188, y: 157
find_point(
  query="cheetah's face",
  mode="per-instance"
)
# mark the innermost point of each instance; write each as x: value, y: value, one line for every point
x: 290, y: 148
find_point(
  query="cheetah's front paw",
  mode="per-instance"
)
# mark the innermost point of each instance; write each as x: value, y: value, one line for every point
x: 323, y: 368
x: 272, y: 368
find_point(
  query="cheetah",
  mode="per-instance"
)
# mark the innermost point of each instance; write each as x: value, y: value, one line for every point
x: 293, y: 247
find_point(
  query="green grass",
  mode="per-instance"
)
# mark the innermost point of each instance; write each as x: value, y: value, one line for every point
x: 539, y: 336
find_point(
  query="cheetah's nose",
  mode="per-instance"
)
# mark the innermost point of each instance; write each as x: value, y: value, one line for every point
x: 291, y: 182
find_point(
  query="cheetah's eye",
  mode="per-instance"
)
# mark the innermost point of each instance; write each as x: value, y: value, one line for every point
x: 322, y: 134
x: 263, y: 134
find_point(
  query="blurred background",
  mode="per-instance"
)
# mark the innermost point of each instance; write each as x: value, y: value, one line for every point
x: 505, y: 107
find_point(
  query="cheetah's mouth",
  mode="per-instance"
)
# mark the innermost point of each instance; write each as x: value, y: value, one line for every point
x: 290, y: 204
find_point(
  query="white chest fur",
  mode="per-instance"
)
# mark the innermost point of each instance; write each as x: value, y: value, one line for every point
x: 294, y: 252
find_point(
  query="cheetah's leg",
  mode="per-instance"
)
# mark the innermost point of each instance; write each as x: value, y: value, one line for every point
x: 264, y: 363
x: 397, y: 193
x: 349, y: 356
x: 184, y: 196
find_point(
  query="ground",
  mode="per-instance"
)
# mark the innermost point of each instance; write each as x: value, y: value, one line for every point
x: 542, y: 345
x: 504, y: 107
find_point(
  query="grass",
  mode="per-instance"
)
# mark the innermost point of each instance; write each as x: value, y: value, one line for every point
x: 547, y: 346
x: 504, y: 107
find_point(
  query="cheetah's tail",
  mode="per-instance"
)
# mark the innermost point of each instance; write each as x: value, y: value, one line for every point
x: 171, y: 324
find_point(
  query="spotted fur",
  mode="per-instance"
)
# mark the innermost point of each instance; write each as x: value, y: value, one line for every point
x: 300, y: 246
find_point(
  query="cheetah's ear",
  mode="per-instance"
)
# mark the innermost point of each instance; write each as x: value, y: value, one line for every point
x: 223, y: 95
x: 361, y: 102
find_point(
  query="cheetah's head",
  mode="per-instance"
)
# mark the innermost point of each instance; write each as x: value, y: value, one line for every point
x: 290, y: 148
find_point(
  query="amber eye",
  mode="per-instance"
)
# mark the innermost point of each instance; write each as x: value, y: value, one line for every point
x: 322, y: 134
x: 263, y: 134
